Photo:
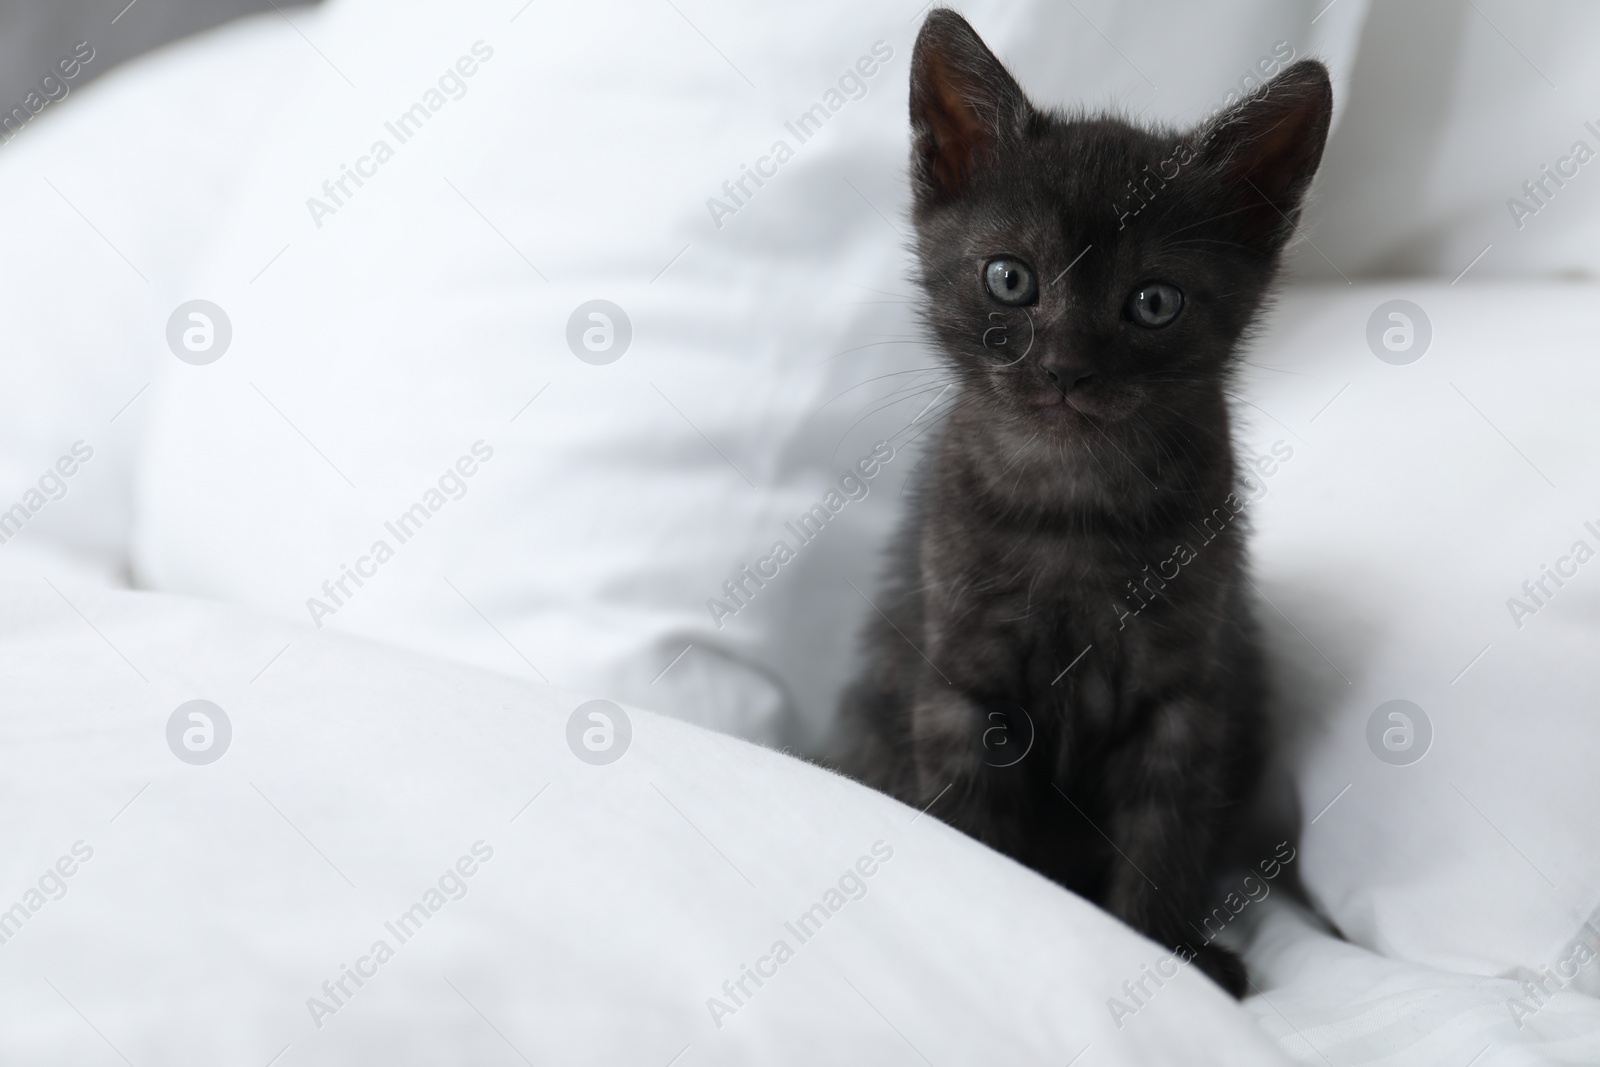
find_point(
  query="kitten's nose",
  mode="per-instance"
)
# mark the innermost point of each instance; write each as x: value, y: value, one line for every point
x: 1066, y: 378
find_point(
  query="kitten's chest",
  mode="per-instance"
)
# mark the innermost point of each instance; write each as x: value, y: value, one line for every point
x: 1030, y: 586
x: 1057, y: 619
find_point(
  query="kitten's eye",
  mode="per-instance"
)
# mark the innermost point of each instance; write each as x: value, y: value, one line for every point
x: 1154, y: 305
x: 1010, y: 281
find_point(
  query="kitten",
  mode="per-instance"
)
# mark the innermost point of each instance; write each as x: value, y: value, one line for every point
x: 1065, y: 664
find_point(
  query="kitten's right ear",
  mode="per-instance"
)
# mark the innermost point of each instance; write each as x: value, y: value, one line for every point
x: 964, y: 105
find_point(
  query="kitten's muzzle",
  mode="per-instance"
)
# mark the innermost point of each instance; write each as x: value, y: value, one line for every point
x: 1064, y: 375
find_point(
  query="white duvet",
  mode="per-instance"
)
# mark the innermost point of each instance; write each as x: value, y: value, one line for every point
x: 405, y: 862
x: 353, y: 852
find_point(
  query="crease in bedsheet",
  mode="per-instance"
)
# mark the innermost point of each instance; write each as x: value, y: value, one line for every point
x: 1328, y: 1002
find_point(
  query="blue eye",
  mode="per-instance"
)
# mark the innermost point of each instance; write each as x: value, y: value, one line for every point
x: 1010, y: 281
x: 1154, y: 305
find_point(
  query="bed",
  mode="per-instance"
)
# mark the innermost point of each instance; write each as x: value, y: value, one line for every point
x: 515, y: 789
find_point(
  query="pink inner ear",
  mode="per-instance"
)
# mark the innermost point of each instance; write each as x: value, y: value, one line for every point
x: 1275, y: 159
x: 958, y: 134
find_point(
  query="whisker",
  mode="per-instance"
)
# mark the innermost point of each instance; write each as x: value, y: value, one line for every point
x: 870, y: 344
x: 879, y: 378
x: 834, y: 457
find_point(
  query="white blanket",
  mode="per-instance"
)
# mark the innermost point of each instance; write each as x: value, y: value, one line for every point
x: 430, y: 827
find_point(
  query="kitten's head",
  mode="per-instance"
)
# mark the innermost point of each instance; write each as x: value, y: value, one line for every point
x: 1087, y: 277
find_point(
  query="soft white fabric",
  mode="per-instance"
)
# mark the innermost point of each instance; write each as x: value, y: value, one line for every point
x: 414, y: 323
x: 109, y: 198
x: 203, y: 906
x: 1418, y: 500
x: 431, y: 307
x: 1451, y: 109
x: 1327, y: 1001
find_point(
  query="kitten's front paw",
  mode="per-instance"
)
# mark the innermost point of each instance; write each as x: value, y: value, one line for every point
x: 1223, y: 967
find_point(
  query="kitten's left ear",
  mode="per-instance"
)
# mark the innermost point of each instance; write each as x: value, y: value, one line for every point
x: 964, y: 106
x: 1266, y: 150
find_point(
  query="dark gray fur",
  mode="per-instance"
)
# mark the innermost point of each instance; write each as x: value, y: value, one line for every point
x: 1043, y: 519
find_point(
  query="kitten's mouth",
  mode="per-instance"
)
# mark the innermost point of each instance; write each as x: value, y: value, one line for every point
x: 1072, y: 406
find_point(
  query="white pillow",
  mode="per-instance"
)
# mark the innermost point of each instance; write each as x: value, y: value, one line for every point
x: 110, y: 194
x: 1391, y: 544
x: 534, y: 906
x: 584, y: 160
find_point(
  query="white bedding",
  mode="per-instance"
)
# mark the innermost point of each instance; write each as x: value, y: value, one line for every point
x: 1401, y: 505
x: 1392, y: 553
x: 618, y: 899
x: 1326, y: 1001
x: 604, y: 907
